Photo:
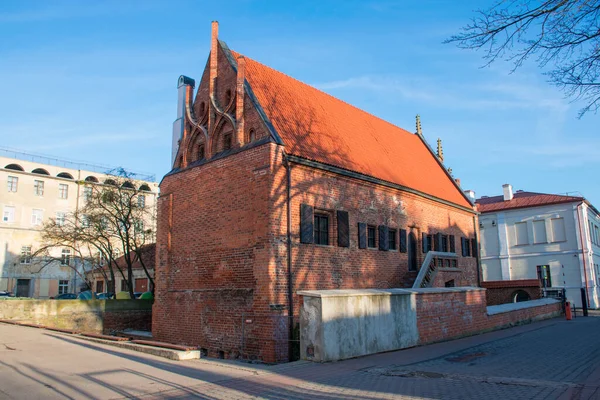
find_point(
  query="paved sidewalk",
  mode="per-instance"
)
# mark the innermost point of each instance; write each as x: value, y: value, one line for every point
x: 547, y: 360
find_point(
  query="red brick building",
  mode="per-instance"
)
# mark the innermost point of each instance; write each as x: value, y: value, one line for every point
x: 278, y: 187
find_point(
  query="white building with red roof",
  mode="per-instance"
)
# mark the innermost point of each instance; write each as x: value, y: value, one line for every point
x: 554, y: 238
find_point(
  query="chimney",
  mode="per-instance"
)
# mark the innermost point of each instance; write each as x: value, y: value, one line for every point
x: 419, y: 130
x: 239, y: 105
x: 440, y: 151
x: 508, y: 192
x: 457, y: 180
x: 471, y: 195
x: 185, y: 88
x: 212, y: 81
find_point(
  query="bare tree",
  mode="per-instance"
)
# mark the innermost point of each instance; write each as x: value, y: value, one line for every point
x: 564, y: 35
x: 108, y: 234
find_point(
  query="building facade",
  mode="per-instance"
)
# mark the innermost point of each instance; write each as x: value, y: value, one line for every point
x: 553, y: 238
x: 32, y: 190
x: 277, y: 187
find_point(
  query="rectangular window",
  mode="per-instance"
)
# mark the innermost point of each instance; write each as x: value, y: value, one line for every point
x: 60, y: 218
x: 85, y: 221
x: 63, y: 287
x: 38, y: 188
x: 371, y: 237
x: 141, y: 200
x: 539, y: 231
x: 543, y: 272
x: 558, y: 230
x: 392, y: 239
x: 13, y: 182
x: 321, y: 229
x: 521, y: 233
x: 26, y: 255
x: 65, y: 258
x: 124, y: 285
x: 37, y: 216
x: 201, y: 152
x: 430, y: 242
x: 87, y: 193
x: 445, y: 243
x: 8, y: 214
x: 63, y: 191
x: 99, y: 286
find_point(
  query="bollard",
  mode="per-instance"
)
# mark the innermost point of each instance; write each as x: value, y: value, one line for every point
x: 568, y: 311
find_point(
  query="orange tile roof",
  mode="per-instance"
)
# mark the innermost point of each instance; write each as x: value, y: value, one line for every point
x: 317, y: 126
x: 522, y: 200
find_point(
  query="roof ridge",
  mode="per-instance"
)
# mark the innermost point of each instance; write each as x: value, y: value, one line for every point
x: 321, y: 91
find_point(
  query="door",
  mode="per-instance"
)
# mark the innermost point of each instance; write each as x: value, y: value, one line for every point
x: 23, y: 287
x: 141, y: 285
x: 412, y: 252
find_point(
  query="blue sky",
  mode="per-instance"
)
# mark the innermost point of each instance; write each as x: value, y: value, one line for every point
x: 96, y: 81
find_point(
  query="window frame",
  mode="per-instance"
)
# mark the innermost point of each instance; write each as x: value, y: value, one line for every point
x: 65, y: 257
x: 8, y: 214
x: 60, y: 218
x: 38, y: 188
x: 392, y: 239
x: 544, y: 275
x: 87, y: 193
x: 63, y: 191
x: 12, y: 184
x: 321, y: 237
x: 141, y: 201
x: 63, y: 287
x: 25, y: 255
x: 371, y: 239
x: 37, y: 220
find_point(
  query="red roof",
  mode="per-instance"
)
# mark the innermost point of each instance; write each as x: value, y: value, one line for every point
x: 521, y: 200
x: 315, y: 125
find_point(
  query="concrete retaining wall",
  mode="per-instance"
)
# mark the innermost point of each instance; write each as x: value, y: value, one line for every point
x: 341, y: 324
x: 97, y: 316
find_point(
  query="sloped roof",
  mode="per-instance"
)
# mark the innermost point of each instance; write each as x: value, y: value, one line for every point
x: 522, y: 200
x: 317, y: 126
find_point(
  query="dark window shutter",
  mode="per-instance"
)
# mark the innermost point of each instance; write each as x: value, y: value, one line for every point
x: 307, y: 219
x: 384, y: 240
x: 452, y: 245
x: 424, y: 243
x: 473, y: 247
x: 362, y: 235
x: 343, y: 229
x: 437, y: 242
x: 463, y: 247
x: 402, y: 240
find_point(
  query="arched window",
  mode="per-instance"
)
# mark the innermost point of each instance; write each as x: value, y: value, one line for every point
x: 15, y: 167
x: 40, y: 171
x: 91, y: 179
x: 252, y: 135
x: 145, y: 187
x: 227, y: 141
x: 110, y: 182
x: 228, y: 96
x: 202, y: 108
x: 520, y: 295
x: 128, y: 185
x: 65, y: 175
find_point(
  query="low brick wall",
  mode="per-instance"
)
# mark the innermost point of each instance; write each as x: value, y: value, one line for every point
x: 502, y: 292
x: 444, y: 315
x: 339, y: 324
x: 96, y: 316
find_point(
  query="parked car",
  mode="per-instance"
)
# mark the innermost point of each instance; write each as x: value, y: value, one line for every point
x: 137, y: 294
x: 66, y: 296
x: 105, y: 296
x: 4, y: 293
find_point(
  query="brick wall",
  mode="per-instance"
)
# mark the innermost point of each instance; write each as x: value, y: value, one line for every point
x: 444, y: 316
x: 502, y: 292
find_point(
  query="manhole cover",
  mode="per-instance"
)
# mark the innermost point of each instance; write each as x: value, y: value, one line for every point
x: 466, y: 357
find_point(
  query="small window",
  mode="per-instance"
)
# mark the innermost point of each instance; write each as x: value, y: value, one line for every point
x: 321, y: 229
x: 453, y: 264
x: 40, y: 171
x: 65, y: 258
x: 201, y: 152
x: 543, y: 272
x: 85, y: 221
x: 26, y: 255
x: 252, y: 135
x: 60, y: 218
x: 145, y: 188
x: 91, y: 179
x: 392, y: 239
x: 63, y: 286
x: 521, y: 233
x: 8, y: 214
x: 87, y: 193
x: 558, y: 230
x: 371, y: 237
x: 124, y: 282
x: 228, y: 96
x: 445, y: 243
x: 37, y: 217
x: 15, y: 167
x: 539, y: 232
x: 65, y: 175
x: 429, y: 242
x: 99, y: 286
x: 450, y: 283
x: 63, y: 191
x: 38, y: 188
x: 128, y: 185
x: 227, y: 141
x: 138, y: 227
x: 141, y: 201
x: 110, y: 182
x: 13, y: 182
x: 520, y: 295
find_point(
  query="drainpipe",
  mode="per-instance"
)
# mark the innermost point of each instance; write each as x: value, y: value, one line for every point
x: 288, y: 169
x: 477, y: 255
x: 587, y: 295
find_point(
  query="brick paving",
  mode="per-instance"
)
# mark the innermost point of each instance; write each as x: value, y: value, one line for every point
x: 554, y: 359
